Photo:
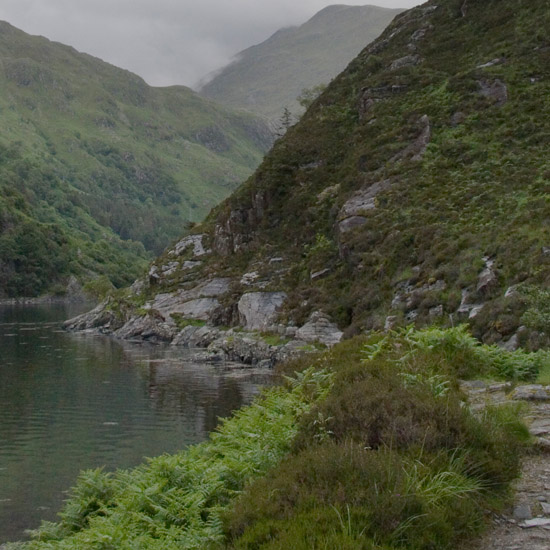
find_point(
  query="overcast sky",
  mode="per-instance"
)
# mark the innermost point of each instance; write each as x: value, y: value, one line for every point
x: 165, y: 41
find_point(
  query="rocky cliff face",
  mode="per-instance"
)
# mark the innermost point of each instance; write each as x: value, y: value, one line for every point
x: 413, y: 190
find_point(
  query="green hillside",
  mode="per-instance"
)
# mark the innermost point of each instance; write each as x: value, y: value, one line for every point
x: 415, y: 189
x: 105, y: 168
x: 269, y: 76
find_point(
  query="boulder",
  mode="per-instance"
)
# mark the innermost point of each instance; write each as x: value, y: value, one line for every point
x: 320, y: 329
x: 258, y: 310
x: 249, y: 278
x: 511, y: 344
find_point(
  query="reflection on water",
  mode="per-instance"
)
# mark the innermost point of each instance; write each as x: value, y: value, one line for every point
x: 73, y: 401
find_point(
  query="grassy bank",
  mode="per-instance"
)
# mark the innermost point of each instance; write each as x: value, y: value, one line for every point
x: 366, y: 446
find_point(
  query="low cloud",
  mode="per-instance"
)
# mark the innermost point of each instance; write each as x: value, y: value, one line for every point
x: 164, y: 41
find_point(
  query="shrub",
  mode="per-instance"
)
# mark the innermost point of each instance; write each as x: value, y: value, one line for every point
x: 391, y: 458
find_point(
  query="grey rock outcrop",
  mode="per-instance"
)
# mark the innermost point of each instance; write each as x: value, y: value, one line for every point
x: 101, y: 318
x: 488, y: 279
x: 201, y: 308
x: 231, y: 345
x: 145, y: 328
x: 494, y: 89
x: 466, y: 308
x: 349, y: 224
x: 197, y: 303
x: 319, y: 328
x: 359, y: 203
x: 234, y: 231
x: 415, y: 151
x: 196, y: 336
x: 406, y: 61
x: 420, y: 33
x: 195, y: 241
x: 258, y: 310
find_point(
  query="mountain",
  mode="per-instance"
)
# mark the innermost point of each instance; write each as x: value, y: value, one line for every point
x: 98, y: 170
x: 413, y: 190
x: 268, y: 77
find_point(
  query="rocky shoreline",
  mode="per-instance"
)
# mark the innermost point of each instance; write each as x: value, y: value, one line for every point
x: 216, y: 344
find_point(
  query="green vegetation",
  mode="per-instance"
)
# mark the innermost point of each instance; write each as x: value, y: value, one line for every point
x: 182, y: 322
x: 366, y: 446
x: 106, y: 169
x: 269, y: 76
x: 477, y: 193
x: 177, y: 501
x: 457, y: 347
x: 391, y: 458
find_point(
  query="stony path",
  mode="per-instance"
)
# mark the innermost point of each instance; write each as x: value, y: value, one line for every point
x: 526, y: 525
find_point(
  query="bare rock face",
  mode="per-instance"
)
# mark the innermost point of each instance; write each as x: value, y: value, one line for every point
x: 258, y: 310
x: 197, y: 303
x: 420, y: 33
x: 494, y: 89
x: 488, y: 279
x: 415, y: 151
x: 196, y: 337
x: 407, y: 61
x: 349, y: 224
x: 145, y: 328
x: 194, y: 241
x: 98, y: 319
x: 319, y: 328
x: 359, y: 203
x: 234, y: 232
x: 200, y: 309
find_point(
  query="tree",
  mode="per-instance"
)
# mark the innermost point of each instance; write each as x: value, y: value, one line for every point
x: 285, y: 122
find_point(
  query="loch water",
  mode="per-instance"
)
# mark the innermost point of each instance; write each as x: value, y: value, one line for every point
x: 75, y: 401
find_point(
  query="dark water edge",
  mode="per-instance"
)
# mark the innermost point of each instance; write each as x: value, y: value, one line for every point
x: 74, y: 401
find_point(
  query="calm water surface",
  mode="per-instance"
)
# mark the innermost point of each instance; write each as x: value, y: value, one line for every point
x: 70, y: 401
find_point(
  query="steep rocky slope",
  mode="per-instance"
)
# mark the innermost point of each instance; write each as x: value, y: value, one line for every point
x: 103, y: 166
x: 268, y: 77
x: 415, y: 189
